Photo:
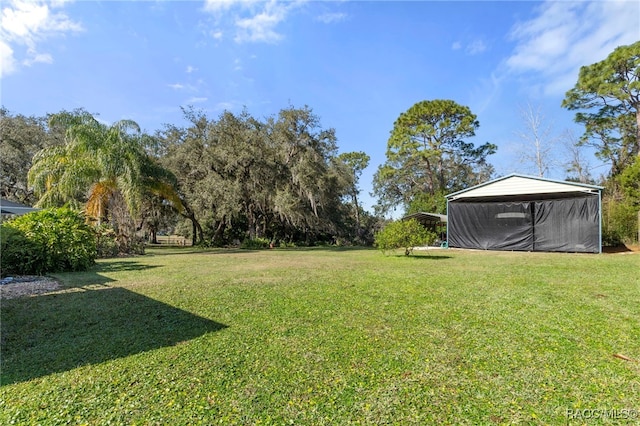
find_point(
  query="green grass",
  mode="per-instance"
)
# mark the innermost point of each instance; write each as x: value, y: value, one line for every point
x: 327, y: 336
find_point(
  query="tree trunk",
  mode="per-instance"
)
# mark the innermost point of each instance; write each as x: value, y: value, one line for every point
x: 430, y: 174
x: 217, y: 236
x: 197, y: 235
x: 253, y: 227
x: 357, y: 215
x: 638, y: 128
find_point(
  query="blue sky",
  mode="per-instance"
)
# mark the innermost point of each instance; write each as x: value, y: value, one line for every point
x: 358, y: 65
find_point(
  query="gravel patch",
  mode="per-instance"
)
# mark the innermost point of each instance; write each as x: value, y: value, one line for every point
x: 13, y: 287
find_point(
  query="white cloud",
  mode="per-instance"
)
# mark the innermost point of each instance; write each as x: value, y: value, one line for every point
x: 488, y: 91
x: 476, y: 47
x: 28, y: 23
x: 186, y: 87
x: 35, y: 58
x: 225, y: 106
x: 7, y: 61
x: 252, y: 21
x: 231, y: 105
x: 224, y: 5
x: 196, y: 99
x: 191, y: 69
x: 261, y: 27
x: 567, y: 35
x: 330, y: 18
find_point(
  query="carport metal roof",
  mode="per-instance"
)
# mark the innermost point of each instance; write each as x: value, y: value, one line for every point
x: 427, y: 218
x: 517, y: 185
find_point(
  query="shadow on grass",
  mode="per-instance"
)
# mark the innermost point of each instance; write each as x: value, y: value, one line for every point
x: 59, y: 332
x: 121, y: 265
x: 326, y: 248
x: 94, y: 277
x: 162, y: 251
x: 422, y: 257
x: 622, y: 248
x: 171, y: 251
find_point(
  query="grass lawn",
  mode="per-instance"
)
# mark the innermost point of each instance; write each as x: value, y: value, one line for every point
x: 328, y: 336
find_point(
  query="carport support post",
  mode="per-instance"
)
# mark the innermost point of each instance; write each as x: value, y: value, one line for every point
x: 448, y: 223
x: 600, y: 221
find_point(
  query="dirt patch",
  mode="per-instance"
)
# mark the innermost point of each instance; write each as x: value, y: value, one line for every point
x: 13, y: 287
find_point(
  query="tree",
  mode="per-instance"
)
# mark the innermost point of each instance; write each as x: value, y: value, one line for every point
x: 304, y: 152
x: 536, y: 139
x: 577, y: 166
x: 630, y: 182
x: 609, y: 91
x: 405, y: 234
x: 248, y: 179
x: 355, y: 162
x: 105, y: 168
x: 95, y: 162
x: 183, y: 152
x: 427, y: 153
x: 425, y: 202
x: 157, y: 215
x: 21, y: 138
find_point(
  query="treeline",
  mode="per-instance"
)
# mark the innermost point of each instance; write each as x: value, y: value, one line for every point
x: 219, y: 181
x: 606, y: 99
x: 279, y: 179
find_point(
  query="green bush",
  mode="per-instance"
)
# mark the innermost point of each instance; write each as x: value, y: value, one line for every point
x: 135, y: 245
x: 255, y: 243
x: 18, y: 254
x: 106, y: 242
x: 61, y: 236
x: 404, y: 234
x: 620, y: 222
x: 285, y: 244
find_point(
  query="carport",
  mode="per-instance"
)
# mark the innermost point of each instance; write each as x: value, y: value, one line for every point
x: 434, y: 222
x: 526, y: 213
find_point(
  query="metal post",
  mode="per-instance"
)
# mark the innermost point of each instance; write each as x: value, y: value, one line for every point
x: 447, y: 223
x: 600, y: 220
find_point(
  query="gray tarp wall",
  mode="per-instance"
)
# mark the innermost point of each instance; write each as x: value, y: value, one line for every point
x: 560, y: 224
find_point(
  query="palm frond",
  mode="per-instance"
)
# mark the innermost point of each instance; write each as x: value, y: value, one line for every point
x: 98, y: 198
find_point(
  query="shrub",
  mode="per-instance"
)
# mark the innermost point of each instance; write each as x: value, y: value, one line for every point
x: 403, y: 234
x: 18, y: 254
x: 61, y: 235
x: 620, y: 222
x: 106, y: 242
x: 287, y: 244
x: 255, y: 243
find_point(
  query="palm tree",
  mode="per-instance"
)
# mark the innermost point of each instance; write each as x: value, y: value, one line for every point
x: 103, y: 167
